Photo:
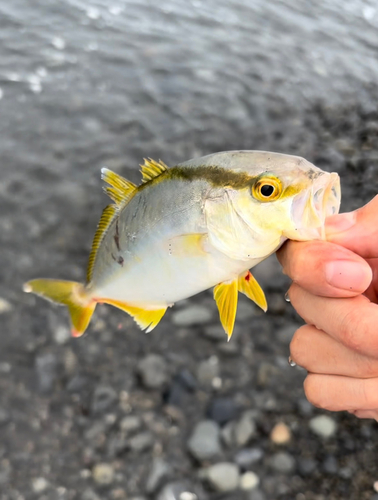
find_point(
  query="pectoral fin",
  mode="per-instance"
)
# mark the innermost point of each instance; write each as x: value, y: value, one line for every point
x: 146, y: 319
x: 226, y: 298
x: 249, y: 286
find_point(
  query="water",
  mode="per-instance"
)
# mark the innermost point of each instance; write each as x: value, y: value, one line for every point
x: 83, y: 85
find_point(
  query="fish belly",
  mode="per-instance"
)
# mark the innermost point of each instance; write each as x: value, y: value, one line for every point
x: 160, y: 281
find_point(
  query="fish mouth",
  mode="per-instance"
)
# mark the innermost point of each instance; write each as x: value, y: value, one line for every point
x: 310, y: 209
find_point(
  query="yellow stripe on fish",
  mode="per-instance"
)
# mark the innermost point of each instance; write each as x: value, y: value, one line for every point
x: 201, y: 224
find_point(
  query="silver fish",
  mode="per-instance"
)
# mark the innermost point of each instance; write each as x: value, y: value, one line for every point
x: 201, y: 224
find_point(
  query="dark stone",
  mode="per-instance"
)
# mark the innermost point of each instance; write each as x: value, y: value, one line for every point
x: 103, y: 398
x: 222, y: 410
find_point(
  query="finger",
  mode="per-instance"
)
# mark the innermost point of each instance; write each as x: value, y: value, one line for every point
x: 356, y: 230
x: 338, y: 393
x: 319, y: 353
x: 324, y: 268
x: 353, y: 321
x: 365, y: 413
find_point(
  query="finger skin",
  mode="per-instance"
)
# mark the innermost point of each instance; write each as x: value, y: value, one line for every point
x: 319, y: 353
x: 352, y: 321
x: 306, y: 264
x: 362, y: 234
x: 365, y: 413
x: 338, y: 393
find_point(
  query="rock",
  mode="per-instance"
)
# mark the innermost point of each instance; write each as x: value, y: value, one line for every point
x: 180, y: 491
x: 103, y: 398
x: 192, y: 315
x: 305, y: 408
x: 4, y: 416
x: 183, y: 383
x: 153, y: 371
x: 285, y: 334
x: 5, y: 306
x: 280, y: 434
x: 222, y: 410
x: 89, y: 494
x: 215, y: 332
x: 207, y: 371
x: 204, y: 442
x: 330, y: 465
x: 307, y: 466
x: 227, y: 434
x: 142, y: 441
x: 223, y: 476
x: 283, y: 462
x: 39, y: 484
x: 244, y: 429
x: 266, y: 373
x: 324, y: 426
x: 256, y: 495
x: 130, y: 424
x: 46, y: 367
x: 159, y: 471
x: 103, y: 474
x: 277, y: 304
x: 245, y: 311
x: 249, y: 481
x: 248, y: 456
x: 61, y: 334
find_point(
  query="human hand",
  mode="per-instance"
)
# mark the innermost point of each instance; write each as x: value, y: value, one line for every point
x: 335, y: 290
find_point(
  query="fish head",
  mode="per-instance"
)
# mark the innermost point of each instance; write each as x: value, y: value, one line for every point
x: 284, y: 197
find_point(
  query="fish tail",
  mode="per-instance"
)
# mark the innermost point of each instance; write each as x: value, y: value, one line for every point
x: 70, y: 294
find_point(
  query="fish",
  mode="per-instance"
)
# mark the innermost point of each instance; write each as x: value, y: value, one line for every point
x: 201, y: 224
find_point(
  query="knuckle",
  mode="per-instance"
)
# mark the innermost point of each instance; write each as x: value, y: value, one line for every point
x: 353, y: 329
x: 298, y: 346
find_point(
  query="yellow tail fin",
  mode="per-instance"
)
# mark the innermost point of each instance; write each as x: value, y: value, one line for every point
x: 70, y: 294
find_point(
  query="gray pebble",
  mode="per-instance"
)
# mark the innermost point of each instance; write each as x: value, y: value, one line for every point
x: 4, y: 416
x: 330, y: 465
x: 215, y: 332
x: 248, y: 456
x: 245, y: 429
x: 89, y: 494
x: 207, y: 371
x: 285, y: 334
x: 223, y: 476
x: 246, y: 310
x: 283, y: 462
x: 256, y: 495
x: 179, y: 491
x: 159, y: 471
x: 130, y: 424
x: 307, y: 466
x: 103, y: 474
x: 324, y: 426
x: 204, y: 442
x: 103, y: 398
x: 192, y: 315
x: 142, y: 441
x: 153, y: 371
x: 227, y: 434
x: 46, y: 368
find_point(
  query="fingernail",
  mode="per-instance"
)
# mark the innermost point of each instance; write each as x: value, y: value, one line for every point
x: 339, y: 223
x: 348, y: 275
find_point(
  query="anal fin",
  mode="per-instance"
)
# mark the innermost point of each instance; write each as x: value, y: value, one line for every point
x: 248, y: 285
x: 146, y: 319
x: 226, y: 298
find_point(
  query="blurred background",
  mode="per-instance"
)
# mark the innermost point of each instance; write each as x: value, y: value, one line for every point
x: 179, y: 414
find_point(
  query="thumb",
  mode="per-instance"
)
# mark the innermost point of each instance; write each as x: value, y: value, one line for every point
x: 357, y: 231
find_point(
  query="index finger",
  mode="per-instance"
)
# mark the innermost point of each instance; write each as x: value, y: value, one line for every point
x: 324, y: 268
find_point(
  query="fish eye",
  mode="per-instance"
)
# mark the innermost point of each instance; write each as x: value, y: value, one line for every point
x: 267, y: 189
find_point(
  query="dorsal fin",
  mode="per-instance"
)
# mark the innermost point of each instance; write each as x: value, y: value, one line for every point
x: 108, y: 215
x: 120, y: 190
x: 151, y: 169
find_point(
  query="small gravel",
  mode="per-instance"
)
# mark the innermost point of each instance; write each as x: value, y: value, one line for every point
x: 323, y: 426
x: 245, y: 429
x: 153, y: 371
x: 207, y: 371
x: 103, y: 474
x: 223, y: 476
x: 204, y: 442
x: 280, y: 434
x: 283, y: 462
x: 192, y: 315
x: 249, y: 481
x: 159, y: 471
